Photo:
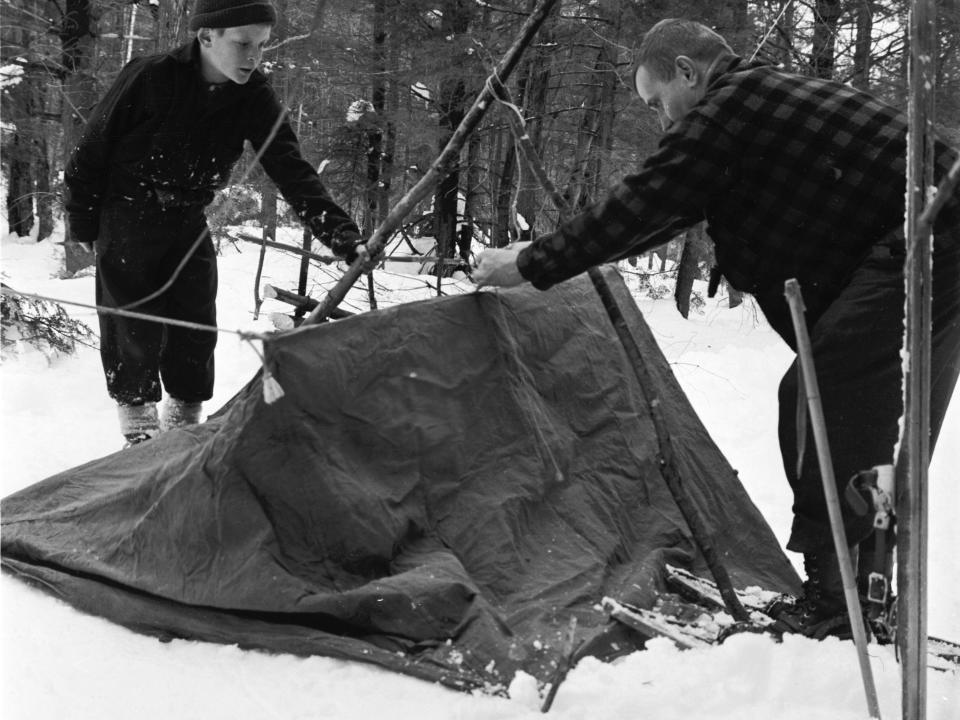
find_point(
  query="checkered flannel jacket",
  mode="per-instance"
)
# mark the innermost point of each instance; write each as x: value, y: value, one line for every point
x: 796, y: 177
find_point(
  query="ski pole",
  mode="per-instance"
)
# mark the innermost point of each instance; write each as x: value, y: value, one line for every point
x: 805, y: 356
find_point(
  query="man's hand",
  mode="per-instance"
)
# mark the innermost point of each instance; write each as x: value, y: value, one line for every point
x: 499, y: 267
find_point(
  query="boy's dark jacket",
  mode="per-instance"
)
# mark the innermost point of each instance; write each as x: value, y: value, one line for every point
x: 162, y: 134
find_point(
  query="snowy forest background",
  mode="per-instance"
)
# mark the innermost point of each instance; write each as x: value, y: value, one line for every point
x: 374, y: 89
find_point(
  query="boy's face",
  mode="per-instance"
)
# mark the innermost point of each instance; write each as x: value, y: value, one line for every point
x: 232, y: 54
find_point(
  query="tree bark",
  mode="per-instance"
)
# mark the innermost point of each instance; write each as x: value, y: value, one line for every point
x: 505, y: 220
x: 455, y: 22
x: 785, y: 30
x: 388, y: 168
x: 577, y: 192
x: 823, y: 52
x: 79, y: 94
x: 532, y: 96
x: 861, y: 52
x: 268, y: 203
x: 605, y: 117
x: 45, y: 198
x: 172, y: 26
x: 376, y: 198
x: 472, y: 196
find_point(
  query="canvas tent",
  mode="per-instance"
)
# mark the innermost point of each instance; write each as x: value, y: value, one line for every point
x: 443, y: 486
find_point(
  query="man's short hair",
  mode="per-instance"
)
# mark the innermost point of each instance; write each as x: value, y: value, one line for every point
x: 669, y: 39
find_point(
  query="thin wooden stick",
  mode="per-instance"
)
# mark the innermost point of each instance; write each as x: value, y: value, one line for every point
x: 440, y: 167
x: 330, y: 259
x: 325, y: 259
x: 301, y: 302
x: 847, y: 573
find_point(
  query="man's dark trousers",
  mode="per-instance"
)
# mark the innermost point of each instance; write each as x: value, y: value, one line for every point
x: 856, y: 351
x: 139, y: 247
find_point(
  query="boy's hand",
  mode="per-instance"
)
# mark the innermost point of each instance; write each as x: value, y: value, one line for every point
x: 369, y: 263
x: 499, y: 267
x: 346, y: 245
x: 350, y: 246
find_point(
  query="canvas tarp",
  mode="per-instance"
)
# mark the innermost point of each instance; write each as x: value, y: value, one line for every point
x: 442, y: 487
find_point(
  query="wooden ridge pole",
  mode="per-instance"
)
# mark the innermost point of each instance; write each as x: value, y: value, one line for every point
x: 448, y: 157
x: 914, y: 448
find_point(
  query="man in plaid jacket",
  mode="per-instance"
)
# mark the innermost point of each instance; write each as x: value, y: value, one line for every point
x: 797, y: 177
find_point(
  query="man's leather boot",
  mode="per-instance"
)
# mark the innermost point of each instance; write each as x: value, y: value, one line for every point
x: 821, y: 611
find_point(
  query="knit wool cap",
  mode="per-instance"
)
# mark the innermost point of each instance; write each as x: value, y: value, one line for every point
x: 231, y: 13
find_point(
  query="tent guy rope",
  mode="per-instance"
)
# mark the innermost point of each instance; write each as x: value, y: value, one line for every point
x: 271, y: 388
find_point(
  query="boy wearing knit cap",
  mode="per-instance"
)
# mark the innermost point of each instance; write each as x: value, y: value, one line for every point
x: 155, y: 149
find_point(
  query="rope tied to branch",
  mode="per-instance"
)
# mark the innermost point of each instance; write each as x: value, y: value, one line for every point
x: 272, y: 391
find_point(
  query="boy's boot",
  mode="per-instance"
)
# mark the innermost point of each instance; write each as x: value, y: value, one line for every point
x: 138, y: 422
x: 822, y: 609
x: 177, y: 413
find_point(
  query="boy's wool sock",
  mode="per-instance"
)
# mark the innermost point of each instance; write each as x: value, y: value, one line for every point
x: 138, y: 422
x: 177, y: 413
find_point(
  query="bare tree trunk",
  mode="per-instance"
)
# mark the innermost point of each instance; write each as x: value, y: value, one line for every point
x: 79, y: 96
x: 171, y: 23
x: 732, y: 21
x: 45, y: 199
x: 27, y: 153
x: 532, y: 97
x: 456, y: 21
x: 471, y: 196
x: 268, y: 202
x: 504, y: 199
x: 392, y: 109
x: 605, y: 117
x: 786, y: 27
x: 20, y: 185
x: 823, y: 51
x: 861, y: 53
x: 376, y: 198
x: 576, y: 192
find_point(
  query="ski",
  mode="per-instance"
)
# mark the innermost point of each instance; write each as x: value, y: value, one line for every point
x: 942, y: 654
x: 685, y: 633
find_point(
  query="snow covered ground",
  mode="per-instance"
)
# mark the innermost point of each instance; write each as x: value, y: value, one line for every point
x: 59, y: 663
